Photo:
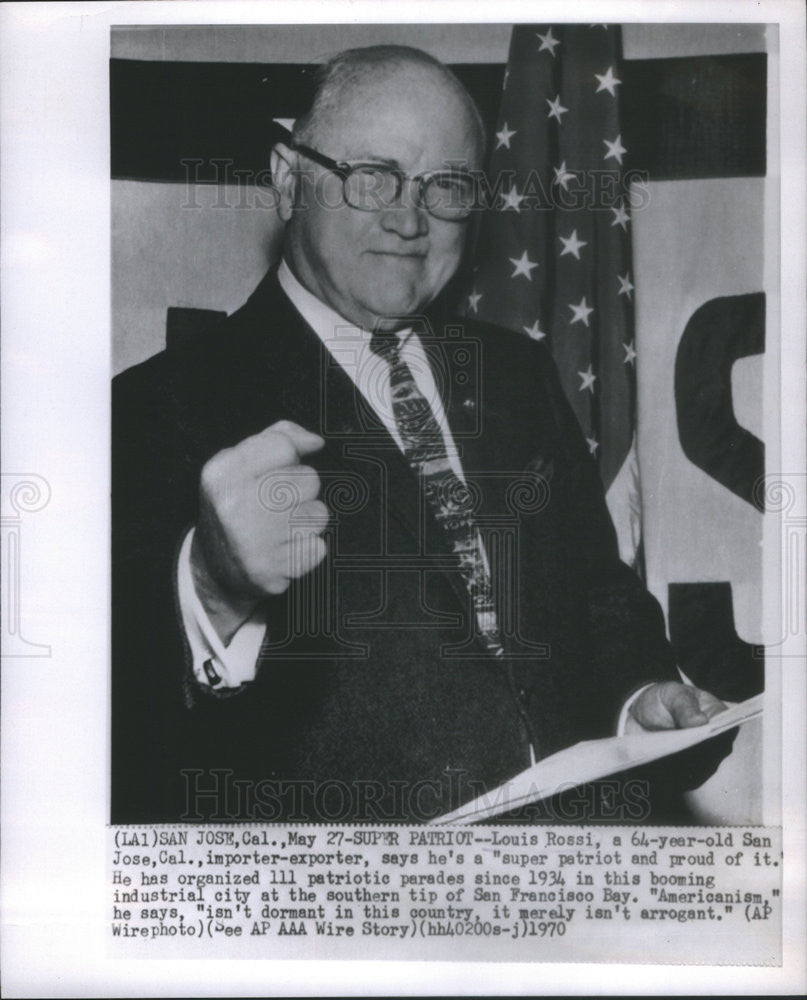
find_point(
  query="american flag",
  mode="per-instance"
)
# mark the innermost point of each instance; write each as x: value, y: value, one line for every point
x: 554, y: 252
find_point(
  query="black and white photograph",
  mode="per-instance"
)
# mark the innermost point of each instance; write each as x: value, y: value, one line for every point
x: 389, y: 531
x: 431, y: 589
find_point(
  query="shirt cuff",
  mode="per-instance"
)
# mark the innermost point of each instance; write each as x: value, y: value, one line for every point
x: 216, y: 666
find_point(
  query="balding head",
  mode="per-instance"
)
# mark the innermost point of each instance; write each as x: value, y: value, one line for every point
x: 365, y: 69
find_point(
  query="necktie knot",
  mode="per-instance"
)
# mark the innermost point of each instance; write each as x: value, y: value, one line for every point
x: 385, y: 344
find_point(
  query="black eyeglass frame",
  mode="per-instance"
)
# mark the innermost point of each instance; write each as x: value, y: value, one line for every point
x: 344, y: 169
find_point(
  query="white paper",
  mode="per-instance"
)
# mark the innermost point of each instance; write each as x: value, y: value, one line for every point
x: 593, y: 759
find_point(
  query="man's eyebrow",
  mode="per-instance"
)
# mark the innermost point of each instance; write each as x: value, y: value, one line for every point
x: 373, y: 158
x: 385, y: 161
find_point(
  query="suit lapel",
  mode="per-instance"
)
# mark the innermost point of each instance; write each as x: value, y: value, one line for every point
x: 316, y: 392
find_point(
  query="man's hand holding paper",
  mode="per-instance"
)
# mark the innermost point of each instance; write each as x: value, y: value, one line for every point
x: 669, y: 705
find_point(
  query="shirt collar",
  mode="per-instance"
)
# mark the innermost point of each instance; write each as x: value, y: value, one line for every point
x: 324, y: 321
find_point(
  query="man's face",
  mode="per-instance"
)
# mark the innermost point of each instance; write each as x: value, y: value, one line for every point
x: 374, y: 266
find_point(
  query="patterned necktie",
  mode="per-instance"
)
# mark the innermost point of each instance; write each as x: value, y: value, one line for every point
x: 449, y: 498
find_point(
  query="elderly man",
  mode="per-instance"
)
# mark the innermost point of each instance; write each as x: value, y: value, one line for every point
x: 362, y: 564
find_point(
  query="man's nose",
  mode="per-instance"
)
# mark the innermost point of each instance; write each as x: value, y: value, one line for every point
x: 405, y: 217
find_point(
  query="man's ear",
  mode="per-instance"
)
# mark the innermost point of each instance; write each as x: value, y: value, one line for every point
x: 282, y: 162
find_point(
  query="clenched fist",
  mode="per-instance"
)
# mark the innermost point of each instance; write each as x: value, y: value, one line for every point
x: 260, y: 523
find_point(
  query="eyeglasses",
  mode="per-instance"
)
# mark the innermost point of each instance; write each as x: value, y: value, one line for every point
x: 445, y: 194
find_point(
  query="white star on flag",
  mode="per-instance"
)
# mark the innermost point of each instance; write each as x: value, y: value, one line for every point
x: 572, y: 244
x: 592, y: 443
x: 534, y: 331
x: 473, y: 300
x: 523, y: 265
x: 630, y: 354
x: 556, y: 109
x: 581, y: 311
x: 503, y: 138
x: 607, y: 81
x: 621, y: 217
x: 588, y: 378
x: 562, y: 175
x: 625, y: 287
x: 548, y: 42
x: 511, y: 199
x: 615, y: 149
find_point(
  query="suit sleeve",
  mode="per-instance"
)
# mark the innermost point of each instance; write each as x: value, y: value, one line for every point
x: 627, y: 644
x: 154, y: 486
x: 164, y: 721
x: 147, y: 654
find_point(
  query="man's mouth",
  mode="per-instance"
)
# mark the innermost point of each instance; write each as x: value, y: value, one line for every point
x: 400, y: 254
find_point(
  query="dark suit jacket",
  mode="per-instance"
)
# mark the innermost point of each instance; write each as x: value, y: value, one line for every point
x: 373, y: 699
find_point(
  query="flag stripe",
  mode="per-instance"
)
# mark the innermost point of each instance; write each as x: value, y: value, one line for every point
x: 697, y: 117
x: 165, y: 113
x: 683, y: 117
